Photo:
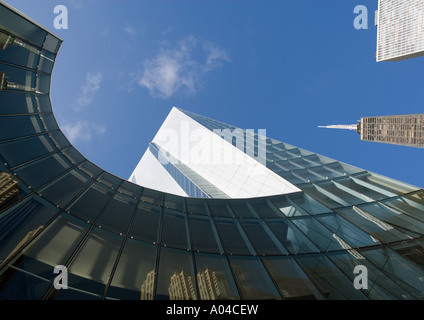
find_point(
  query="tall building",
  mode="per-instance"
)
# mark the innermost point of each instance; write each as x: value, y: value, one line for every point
x: 195, y: 156
x: 117, y: 240
x: 400, y: 29
x: 405, y: 130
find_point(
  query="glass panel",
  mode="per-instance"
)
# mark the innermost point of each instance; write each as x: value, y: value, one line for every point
x: 203, y: 234
x: 19, y: 56
x: 64, y: 189
x: 53, y: 247
x: 232, y: 237
x: 373, y: 226
x: 417, y: 198
x: 134, y: 277
x: 320, y: 235
x: 21, y: 26
x: 89, y: 205
x: 91, y: 268
x: 19, y: 225
x: 329, y: 279
x: 22, y: 80
x: 152, y: 196
x: 43, y: 83
x: 261, y: 238
x: 73, y: 155
x: 380, y: 287
x: 290, y: 279
x: 130, y: 189
x: 19, y: 285
x: 290, y: 237
x: 110, y: 180
x: 413, y: 251
x: 264, y: 209
x: 406, y: 274
x: 56, y: 244
x: 21, y: 151
x: 346, y: 194
x: 19, y: 126
x: 301, y: 163
x: 291, y: 177
x: 43, y: 103
x: 287, y: 165
x: 118, y: 213
x: 145, y: 226
x: 366, y: 193
x: 197, y: 206
x: 37, y: 173
x: 283, y: 204
x: 326, y: 198
x: 174, y: 202
x: 45, y: 65
x: 391, y: 185
x: 11, y: 190
x: 176, y: 280
x: 324, y: 172
x: 174, y: 230
x: 393, y: 217
x: 347, y: 231
x: 214, y: 278
x: 49, y: 121
x: 90, y: 169
x: 17, y: 103
x: 252, y: 279
x: 241, y: 209
x: 406, y: 206
x: 51, y: 43
x: 307, y: 175
x: 307, y: 203
x: 219, y: 208
x: 59, y: 139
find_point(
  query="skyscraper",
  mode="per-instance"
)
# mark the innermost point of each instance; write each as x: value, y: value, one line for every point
x: 195, y: 156
x: 114, y: 239
x: 400, y: 29
x: 405, y: 130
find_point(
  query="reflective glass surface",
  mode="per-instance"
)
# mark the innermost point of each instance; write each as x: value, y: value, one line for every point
x: 122, y: 241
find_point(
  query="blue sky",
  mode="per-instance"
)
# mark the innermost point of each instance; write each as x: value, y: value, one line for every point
x: 286, y: 66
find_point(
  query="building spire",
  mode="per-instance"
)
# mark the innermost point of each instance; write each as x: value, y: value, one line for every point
x: 341, y: 126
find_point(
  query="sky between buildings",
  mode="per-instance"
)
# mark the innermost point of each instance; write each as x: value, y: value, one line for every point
x: 285, y: 66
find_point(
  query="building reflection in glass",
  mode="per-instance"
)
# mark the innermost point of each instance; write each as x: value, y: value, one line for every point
x: 213, y: 285
x: 9, y: 190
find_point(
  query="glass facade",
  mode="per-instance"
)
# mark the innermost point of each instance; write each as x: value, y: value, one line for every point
x: 122, y: 241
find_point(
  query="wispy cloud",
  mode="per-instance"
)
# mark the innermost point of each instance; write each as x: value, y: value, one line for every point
x: 82, y: 131
x: 89, y: 88
x: 181, y: 68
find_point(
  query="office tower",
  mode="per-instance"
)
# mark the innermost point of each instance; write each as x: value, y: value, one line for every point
x: 192, y: 155
x: 119, y: 240
x: 400, y: 29
x: 405, y: 130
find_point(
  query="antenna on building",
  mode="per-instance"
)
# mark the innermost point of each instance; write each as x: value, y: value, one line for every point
x: 341, y: 126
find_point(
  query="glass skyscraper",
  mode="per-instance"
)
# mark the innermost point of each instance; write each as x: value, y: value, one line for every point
x: 404, y: 130
x: 400, y: 29
x: 119, y: 240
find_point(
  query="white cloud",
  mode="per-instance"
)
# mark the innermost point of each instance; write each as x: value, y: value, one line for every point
x: 215, y: 55
x: 82, y: 131
x: 88, y: 89
x: 180, y: 68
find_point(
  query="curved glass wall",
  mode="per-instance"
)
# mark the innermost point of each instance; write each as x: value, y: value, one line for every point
x: 121, y: 241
